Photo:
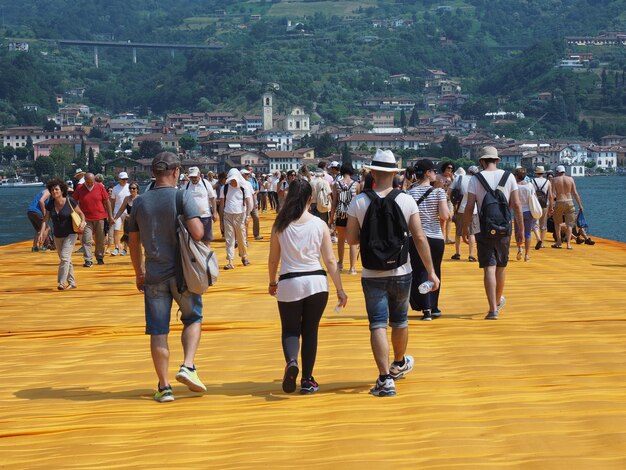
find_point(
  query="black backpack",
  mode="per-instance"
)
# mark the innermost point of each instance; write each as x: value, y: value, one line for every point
x: 456, y: 195
x: 542, y: 197
x: 384, y: 238
x: 494, y: 213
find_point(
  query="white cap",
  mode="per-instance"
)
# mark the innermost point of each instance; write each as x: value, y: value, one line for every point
x: 194, y: 171
x: 122, y: 176
x: 334, y: 164
x: 560, y: 169
x: 244, y: 172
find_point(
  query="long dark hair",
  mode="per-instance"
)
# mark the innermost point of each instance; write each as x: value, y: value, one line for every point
x: 295, y: 204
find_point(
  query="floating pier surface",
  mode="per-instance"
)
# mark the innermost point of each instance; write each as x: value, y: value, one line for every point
x: 543, y: 387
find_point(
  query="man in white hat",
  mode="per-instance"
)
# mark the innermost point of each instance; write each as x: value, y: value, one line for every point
x: 120, y: 191
x: 564, y: 210
x: 542, y: 185
x: 253, y: 186
x: 493, y: 253
x: 204, y: 196
x: 235, y: 206
x: 387, y: 291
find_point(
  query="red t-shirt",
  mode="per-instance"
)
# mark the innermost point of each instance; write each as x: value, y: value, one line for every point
x: 92, y: 202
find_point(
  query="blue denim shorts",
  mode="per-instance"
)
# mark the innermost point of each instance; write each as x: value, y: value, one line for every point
x: 387, y: 300
x: 158, y: 301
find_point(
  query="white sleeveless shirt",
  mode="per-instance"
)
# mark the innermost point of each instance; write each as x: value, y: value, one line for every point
x: 300, y: 250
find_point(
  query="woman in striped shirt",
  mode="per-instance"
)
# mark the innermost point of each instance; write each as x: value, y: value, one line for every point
x: 433, y: 209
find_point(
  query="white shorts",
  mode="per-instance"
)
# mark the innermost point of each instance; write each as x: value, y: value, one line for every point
x: 119, y: 222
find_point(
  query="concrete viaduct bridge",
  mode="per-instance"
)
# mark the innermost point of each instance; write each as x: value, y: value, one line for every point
x: 133, y: 46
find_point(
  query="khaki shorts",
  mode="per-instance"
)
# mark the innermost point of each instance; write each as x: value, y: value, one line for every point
x: 564, y: 211
x: 458, y: 224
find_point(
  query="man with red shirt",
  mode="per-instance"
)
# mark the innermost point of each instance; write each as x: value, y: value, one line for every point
x: 95, y: 204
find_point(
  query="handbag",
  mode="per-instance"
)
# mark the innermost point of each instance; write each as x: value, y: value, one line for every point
x: 535, y: 207
x: 76, y: 220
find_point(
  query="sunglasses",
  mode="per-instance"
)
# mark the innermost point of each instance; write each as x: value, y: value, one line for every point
x: 132, y: 188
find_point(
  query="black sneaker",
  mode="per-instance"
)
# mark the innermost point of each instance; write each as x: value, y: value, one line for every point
x: 291, y: 374
x: 589, y: 241
x: 87, y: 264
x: 426, y: 316
x: 435, y: 313
x: 100, y: 261
x: 456, y: 256
x: 308, y: 386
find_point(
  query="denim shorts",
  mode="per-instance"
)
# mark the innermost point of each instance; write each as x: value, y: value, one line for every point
x: 158, y: 302
x: 387, y: 300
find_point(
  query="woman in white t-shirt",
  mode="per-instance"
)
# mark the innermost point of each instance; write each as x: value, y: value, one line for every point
x: 525, y: 190
x: 433, y: 210
x: 298, y: 241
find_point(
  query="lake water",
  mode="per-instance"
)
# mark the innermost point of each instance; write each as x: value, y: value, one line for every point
x: 603, y: 197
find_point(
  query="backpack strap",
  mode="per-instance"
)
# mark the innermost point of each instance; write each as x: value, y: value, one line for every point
x: 425, y: 195
x: 179, y: 204
x: 504, y: 179
x: 484, y: 183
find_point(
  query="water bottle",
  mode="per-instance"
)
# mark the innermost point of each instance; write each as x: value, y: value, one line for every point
x: 425, y: 287
x: 338, y: 307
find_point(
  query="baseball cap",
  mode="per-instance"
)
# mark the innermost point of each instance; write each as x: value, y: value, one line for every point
x: 193, y: 171
x: 165, y: 161
x: 122, y: 176
x: 560, y: 169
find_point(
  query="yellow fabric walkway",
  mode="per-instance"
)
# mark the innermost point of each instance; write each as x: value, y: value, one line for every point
x: 543, y: 387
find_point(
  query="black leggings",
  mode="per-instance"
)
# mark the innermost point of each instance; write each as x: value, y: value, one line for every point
x: 429, y: 300
x: 302, y: 318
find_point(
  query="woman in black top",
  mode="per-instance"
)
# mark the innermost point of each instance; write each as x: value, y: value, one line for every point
x: 59, y: 209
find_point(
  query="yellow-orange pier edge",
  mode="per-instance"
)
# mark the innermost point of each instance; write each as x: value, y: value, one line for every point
x: 543, y: 387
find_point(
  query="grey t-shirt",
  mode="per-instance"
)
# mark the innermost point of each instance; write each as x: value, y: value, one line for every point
x: 154, y: 216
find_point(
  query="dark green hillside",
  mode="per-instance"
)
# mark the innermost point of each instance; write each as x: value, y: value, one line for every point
x: 330, y: 61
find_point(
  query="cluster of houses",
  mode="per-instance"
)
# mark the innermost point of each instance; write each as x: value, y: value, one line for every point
x: 272, y: 142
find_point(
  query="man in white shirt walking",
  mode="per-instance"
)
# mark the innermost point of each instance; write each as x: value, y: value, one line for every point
x: 493, y: 252
x: 204, y: 196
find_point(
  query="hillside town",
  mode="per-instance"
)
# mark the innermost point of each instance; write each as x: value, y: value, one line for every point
x: 270, y: 142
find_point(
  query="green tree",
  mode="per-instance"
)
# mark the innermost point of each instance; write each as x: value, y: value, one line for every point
x: 44, y: 167
x: 450, y: 147
x: 149, y: 148
x: 325, y: 145
x: 29, y: 147
x: 95, y: 133
x: 8, y: 152
x: 346, y: 155
x: 49, y: 126
x: 62, y: 156
x: 402, y: 119
x: 21, y: 153
x: 414, y: 119
x: 91, y: 161
x: 187, y: 142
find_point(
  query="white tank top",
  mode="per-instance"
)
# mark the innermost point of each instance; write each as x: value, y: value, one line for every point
x: 300, y: 248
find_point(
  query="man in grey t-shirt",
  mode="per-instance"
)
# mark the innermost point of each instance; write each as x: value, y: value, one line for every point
x: 152, y: 224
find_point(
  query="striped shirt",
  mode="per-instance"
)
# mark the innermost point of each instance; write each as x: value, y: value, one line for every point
x: 429, y: 209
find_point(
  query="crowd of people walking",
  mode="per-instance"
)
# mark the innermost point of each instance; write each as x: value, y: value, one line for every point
x: 397, y: 221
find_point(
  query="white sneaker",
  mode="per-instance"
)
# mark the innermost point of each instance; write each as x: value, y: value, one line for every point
x: 384, y: 389
x: 115, y: 252
x: 397, y: 372
x: 501, y: 304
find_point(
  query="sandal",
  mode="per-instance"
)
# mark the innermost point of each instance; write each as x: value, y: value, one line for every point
x: 471, y: 259
x: 456, y: 256
x: 538, y: 246
x: 245, y: 262
x: 556, y: 246
x: 229, y: 266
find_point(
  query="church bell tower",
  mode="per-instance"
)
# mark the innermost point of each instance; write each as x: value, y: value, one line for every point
x: 267, y: 111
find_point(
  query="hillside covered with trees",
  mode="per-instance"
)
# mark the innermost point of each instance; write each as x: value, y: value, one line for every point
x: 326, y: 56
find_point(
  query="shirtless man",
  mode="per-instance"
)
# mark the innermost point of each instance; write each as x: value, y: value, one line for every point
x: 564, y: 188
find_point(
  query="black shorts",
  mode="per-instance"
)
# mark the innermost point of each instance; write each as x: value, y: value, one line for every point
x: 492, y: 251
x: 36, y: 220
x: 341, y: 222
x: 207, y: 222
